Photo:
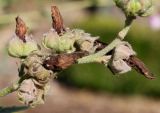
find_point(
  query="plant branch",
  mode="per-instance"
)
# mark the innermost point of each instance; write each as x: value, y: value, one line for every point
x: 13, y: 87
x: 122, y: 34
x: 118, y: 40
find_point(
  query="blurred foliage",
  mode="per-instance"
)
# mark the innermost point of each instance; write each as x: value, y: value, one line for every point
x: 12, y: 109
x: 98, y: 78
x: 10, y: 6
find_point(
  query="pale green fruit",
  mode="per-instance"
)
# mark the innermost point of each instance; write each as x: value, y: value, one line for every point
x: 65, y: 45
x: 29, y: 47
x: 15, y: 47
x: 59, y: 44
x: 66, y: 42
x: 50, y: 40
x: 18, y: 48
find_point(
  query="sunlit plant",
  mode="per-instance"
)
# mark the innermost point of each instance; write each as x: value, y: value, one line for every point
x: 64, y: 47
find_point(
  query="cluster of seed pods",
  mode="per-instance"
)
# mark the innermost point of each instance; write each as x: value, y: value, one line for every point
x: 64, y: 47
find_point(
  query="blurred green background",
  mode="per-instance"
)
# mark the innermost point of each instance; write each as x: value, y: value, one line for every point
x: 100, y: 18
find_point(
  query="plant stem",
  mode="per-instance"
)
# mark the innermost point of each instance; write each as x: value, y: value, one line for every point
x: 122, y: 34
x: 13, y: 87
x: 118, y: 40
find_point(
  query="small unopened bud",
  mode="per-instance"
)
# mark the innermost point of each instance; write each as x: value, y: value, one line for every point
x: 133, y: 8
x: 18, y: 48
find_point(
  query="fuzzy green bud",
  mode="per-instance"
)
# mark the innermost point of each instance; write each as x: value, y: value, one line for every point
x: 50, y: 39
x: 133, y: 8
x: 59, y: 44
x: 18, y: 48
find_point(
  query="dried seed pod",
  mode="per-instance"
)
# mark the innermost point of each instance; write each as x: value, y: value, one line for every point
x: 21, y: 29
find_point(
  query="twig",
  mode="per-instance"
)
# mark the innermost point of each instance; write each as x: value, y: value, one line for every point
x: 13, y: 87
x: 63, y: 61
